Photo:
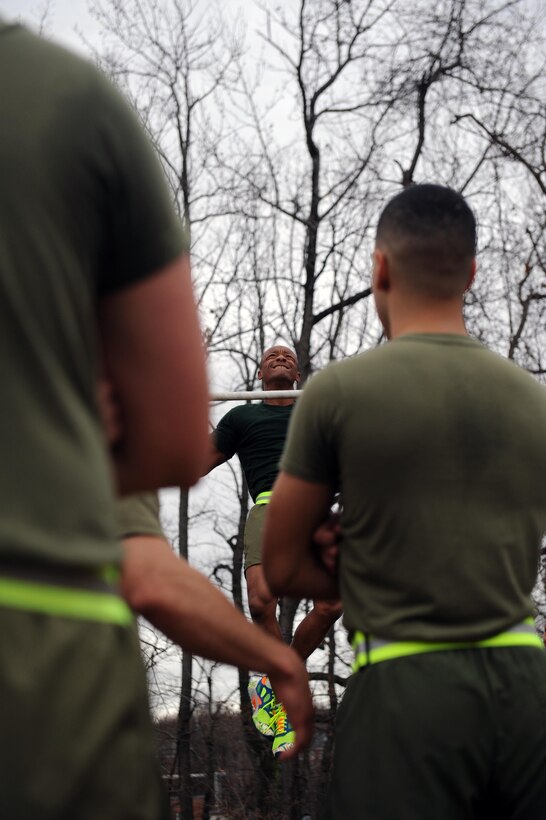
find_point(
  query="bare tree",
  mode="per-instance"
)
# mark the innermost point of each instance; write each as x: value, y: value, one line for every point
x: 280, y: 161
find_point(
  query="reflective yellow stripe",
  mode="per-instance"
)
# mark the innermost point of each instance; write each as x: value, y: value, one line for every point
x: 264, y: 498
x: 64, y: 602
x: 521, y: 635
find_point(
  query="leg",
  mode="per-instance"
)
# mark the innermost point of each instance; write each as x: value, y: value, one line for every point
x: 268, y: 716
x: 315, y: 626
x: 74, y: 715
x: 262, y: 604
x: 416, y: 740
x: 519, y: 785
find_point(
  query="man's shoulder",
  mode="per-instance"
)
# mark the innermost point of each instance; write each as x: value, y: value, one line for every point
x: 345, y: 369
x: 239, y: 411
x: 525, y: 383
x: 252, y: 410
x: 43, y: 57
x: 238, y: 415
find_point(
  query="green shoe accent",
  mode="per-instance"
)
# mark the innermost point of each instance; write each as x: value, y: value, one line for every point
x: 285, y: 736
x: 262, y: 698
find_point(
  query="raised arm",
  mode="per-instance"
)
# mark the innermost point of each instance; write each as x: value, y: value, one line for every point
x: 155, y: 361
x: 215, y: 457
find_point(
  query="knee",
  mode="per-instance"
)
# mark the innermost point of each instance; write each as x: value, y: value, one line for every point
x: 328, y: 611
x: 262, y: 605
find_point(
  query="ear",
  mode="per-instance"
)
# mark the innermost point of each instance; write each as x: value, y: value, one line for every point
x: 259, y: 374
x: 380, y: 273
x: 298, y: 377
x: 472, y: 275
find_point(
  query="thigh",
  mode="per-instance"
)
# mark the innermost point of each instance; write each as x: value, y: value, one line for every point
x: 519, y: 681
x: 77, y: 741
x: 415, y: 740
x: 253, y: 535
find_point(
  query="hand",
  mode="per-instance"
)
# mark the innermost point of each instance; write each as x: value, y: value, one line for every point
x: 326, y: 543
x: 292, y: 690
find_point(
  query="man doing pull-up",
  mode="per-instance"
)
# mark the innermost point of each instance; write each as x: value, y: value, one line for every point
x: 257, y: 432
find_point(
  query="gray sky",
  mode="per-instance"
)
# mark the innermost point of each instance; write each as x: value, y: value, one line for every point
x: 70, y: 23
x: 66, y: 20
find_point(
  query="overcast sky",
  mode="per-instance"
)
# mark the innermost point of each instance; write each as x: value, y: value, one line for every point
x: 66, y: 20
x: 69, y: 21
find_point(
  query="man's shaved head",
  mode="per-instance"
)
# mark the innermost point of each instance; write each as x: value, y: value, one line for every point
x: 280, y: 348
x: 429, y: 233
x: 279, y: 367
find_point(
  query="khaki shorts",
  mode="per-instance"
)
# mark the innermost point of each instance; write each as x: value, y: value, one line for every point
x: 253, y: 535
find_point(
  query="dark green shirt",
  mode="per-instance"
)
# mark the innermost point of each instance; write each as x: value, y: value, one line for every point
x: 139, y: 515
x: 440, y: 449
x: 84, y: 210
x: 256, y: 432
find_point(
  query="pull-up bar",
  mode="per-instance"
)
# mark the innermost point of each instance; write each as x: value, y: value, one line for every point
x: 243, y: 395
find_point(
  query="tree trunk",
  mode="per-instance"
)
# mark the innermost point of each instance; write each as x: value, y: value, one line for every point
x: 185, y: 705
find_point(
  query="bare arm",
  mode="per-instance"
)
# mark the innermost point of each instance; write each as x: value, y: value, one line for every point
x: 193, y: 613
x: 291, y: 563
x: 215, y: 457
x: 155, y: 361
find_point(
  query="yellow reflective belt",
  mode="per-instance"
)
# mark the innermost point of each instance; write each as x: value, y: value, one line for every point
x: 372, y: 650
x: 264, y: 498
x: 64, y: 602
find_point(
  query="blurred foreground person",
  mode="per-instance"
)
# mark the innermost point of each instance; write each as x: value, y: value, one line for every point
x: 91, y: 256
x: 443, y: 513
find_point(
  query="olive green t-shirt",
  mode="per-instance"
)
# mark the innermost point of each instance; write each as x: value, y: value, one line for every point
x: 439, y: 446
x: 256, y: 432
x: 84, y: 210
x: 139, y: 515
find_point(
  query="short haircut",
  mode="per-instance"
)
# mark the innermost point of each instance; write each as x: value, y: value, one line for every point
x: 431, y: 232
x: 273, y: 347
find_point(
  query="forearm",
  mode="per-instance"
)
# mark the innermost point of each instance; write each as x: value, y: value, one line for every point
x: 290, y: 561
x: 301, y: 578
x: 191, y: 611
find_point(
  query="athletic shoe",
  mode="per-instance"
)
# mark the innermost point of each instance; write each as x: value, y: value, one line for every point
x: 285, y: 736
x: 262, y: 698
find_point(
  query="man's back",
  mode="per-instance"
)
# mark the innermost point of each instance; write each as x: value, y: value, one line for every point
x: 440, y: 449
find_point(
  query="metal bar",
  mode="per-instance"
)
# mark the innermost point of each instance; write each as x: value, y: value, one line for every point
x: 244, y: 395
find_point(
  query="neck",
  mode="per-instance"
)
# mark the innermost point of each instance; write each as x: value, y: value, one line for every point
x: 436, y: 317
x: 276, y: 386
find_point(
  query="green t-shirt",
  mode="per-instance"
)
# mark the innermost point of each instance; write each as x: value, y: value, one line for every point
x: 139, y: 515
x: 440, y: 449
x: 256, y: 432
x: 84, y: 210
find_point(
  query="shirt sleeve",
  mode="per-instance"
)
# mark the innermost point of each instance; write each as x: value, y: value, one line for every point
x: 310, y: 451
x: 142, y: 231
x: 226, y: 435
x: 139, y: 515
